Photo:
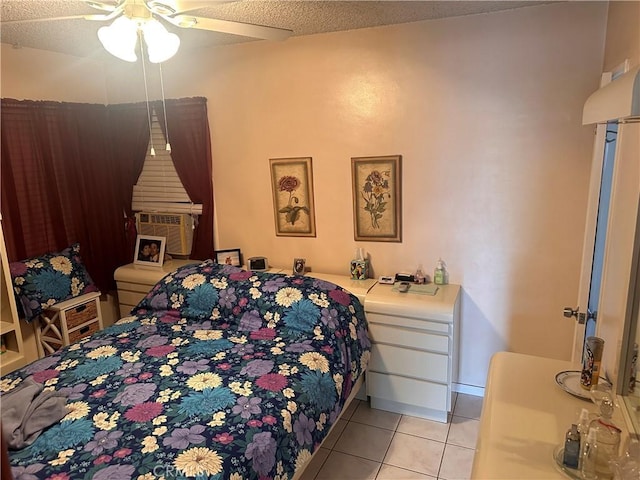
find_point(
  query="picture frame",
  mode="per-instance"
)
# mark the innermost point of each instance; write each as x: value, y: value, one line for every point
x: 293, y: 203
x: 231, y: 256
x: 299, y: 266
x: 150, y: 250
x: 377, y: 198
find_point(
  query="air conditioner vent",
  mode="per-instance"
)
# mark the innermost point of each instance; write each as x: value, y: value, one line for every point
x: 176, y: 228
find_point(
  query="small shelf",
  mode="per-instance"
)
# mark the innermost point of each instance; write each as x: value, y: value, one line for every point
x: 6, y: 327
x: 13, y: 358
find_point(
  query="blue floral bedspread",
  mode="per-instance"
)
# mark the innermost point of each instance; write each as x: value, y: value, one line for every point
x: 219, y: 373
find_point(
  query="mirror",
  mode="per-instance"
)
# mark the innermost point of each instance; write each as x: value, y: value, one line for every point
x: 629, y: 382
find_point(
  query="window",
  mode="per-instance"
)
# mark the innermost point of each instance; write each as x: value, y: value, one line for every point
x: 159, y: 188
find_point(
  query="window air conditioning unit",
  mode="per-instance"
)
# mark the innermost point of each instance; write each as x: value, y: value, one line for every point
x: 176, y: 227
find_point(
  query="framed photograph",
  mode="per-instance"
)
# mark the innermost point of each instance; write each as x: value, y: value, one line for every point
x: 292, y: 186
x: 150, y: 250
x: 229, y: 257
x: 298, y: 266
x: 377, y: 198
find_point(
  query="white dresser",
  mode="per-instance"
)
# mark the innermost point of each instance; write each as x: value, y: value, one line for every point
x: 135, y: 281
x: 414, y: 358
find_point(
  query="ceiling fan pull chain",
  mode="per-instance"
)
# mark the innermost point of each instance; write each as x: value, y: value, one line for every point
x: 146, y: 93
x: 164, y: 107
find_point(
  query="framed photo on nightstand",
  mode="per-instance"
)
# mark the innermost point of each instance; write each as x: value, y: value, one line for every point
x: 229, y: 257
x: 150, y: 250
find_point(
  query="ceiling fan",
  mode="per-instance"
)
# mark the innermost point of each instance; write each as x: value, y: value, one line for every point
x: 137, y: 19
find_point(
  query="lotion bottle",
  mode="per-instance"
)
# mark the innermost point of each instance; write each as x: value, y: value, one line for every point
x: 440, y: 275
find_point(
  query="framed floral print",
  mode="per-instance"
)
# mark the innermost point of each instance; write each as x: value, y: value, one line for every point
x: 377, y: 198
x: 292, y: 186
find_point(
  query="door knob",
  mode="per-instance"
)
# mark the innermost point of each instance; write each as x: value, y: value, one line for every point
x: 580, y: 317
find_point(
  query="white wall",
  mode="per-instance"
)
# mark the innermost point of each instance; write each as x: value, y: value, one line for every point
x: 485, y: 111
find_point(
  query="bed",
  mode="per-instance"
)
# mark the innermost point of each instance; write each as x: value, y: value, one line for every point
x: 218, y: 373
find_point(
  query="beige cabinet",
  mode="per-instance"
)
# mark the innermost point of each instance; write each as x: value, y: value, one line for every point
x: 135, y: 281
x: 13, y: 356
x: 414, y: 353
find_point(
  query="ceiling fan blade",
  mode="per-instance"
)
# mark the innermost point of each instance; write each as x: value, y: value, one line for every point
x: 68, y: 17
x: 226, y: 26
x: 175, y: 7
x: 103, y: 6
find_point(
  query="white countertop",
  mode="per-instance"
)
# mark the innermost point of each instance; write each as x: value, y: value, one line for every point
x: 525, y: 416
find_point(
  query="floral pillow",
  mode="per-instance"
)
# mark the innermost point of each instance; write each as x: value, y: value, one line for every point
x: 51, y: 278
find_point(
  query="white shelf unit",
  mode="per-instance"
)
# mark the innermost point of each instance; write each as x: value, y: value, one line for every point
x: 67, y: 322
x: 14, y: 356
x: 414, y: 355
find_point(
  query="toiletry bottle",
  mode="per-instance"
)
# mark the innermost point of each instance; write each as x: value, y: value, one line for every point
x: 607, y: 437
x: 572, y: 448
x: 590, y: 456
x: 583, y: 428
x: 440, y: 275
x: 420, y: 277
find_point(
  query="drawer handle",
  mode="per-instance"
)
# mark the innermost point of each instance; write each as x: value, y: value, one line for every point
x: 84, y: 329
x: 80, y: 308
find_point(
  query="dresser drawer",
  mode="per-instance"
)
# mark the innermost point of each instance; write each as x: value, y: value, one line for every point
x: 130, y: 298
x: 83, y: 331
x: 408, y: 391
x: 408, y: 338
x: 81, y: 314
x: 415, y: 323
x: 134, y: 287
x: 409, y: 363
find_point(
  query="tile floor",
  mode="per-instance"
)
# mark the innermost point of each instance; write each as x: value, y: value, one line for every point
x: 375, y: 444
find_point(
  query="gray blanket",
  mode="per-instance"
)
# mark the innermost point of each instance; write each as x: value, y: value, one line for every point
x: 27, y: 411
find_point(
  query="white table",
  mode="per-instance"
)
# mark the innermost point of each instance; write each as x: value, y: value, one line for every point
x: 525, y: 416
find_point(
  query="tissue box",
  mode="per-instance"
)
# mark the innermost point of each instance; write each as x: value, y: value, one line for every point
x: 359, y: 269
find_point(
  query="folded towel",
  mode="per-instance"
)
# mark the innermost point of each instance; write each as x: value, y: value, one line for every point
x: 27, y: 411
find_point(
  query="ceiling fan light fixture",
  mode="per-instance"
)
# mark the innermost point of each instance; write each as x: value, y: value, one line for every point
x: 119, y: 38
x: 161, y: 45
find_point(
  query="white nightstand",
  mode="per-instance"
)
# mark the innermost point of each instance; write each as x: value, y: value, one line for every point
x: 67, y: 322
x: 414, y: 355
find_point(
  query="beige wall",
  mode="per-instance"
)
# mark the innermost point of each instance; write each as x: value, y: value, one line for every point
x: 623, y: 34
x: 485, y: 111
x: 27, y: 73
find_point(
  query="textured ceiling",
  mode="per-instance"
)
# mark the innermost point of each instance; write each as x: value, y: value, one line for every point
x: 79, y: 36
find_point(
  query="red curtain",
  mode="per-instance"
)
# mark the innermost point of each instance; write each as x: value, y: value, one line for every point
x: 188, y: 128
x: 68, y: 170
x: 56, y: 184
x: 128, y: 135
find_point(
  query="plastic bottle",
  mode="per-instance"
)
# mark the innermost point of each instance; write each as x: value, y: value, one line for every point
x: 608, y: 438
x: 440, y: 275
x: 583, y: 429
x: 571, y: 456
x: 420, y: 276
x: 590, y: 456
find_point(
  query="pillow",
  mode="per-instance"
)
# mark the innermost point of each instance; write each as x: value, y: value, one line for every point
x: 40, y: 282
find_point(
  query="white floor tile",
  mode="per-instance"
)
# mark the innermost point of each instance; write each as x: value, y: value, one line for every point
x: 414, y: 453
x: 334, y: 435
x: 456, y: 463
x: 376, y: 418
x: 347, y: 467
x: 389, y: 472
x: 421, y: 427
x: 468, y: 406
x: 463, y: 432
x: 364, y: 441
